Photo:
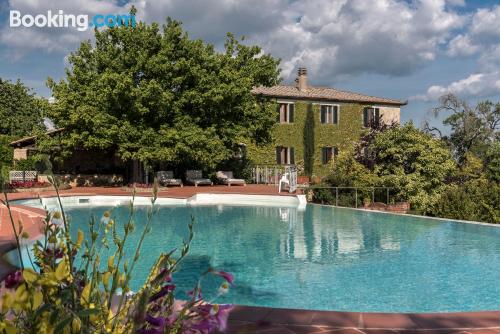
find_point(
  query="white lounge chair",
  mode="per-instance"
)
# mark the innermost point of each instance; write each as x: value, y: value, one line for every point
x: 195, y: 178
x: 166, y: 178
x: 227, y: 177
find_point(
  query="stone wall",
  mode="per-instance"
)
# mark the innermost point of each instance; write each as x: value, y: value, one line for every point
x: 390, y: 114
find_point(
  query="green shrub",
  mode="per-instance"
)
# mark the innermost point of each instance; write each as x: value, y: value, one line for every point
x: 477, y: 200
x: 26, y: 164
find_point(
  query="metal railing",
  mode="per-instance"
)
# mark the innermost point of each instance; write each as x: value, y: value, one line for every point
x: 336, y: 194
x: 268, y: 174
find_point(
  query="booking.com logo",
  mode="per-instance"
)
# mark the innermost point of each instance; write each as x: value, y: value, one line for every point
x: 61, y: 20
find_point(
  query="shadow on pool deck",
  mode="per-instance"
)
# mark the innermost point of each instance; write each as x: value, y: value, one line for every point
x: 247, y: 319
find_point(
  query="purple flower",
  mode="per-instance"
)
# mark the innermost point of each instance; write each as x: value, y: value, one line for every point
x: 14, y: 279
x: 163, y: 291
x: 149, y: 331
x: 222, y: 316
x: 227, y: 276
x: 213, y: 317
x: 157, y: 322
x: 165, y: 273
x: 191, y: 294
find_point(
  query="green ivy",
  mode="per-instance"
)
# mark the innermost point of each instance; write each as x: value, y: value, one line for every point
x: 307, y: 135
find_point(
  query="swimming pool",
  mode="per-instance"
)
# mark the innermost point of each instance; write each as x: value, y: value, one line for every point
x: 325, y: 258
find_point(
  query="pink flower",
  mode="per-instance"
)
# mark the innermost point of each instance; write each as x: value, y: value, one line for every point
x: 227, y: 276
x: 14, y: 279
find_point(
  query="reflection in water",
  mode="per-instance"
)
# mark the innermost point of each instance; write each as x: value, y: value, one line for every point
x: 316, y: 238
x: 324, y: 257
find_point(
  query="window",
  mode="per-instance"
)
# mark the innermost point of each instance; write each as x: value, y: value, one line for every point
x: 285, y: 155
x: 286, y: 112
x: 329, y: 114
x: 371, y: 117
x: 328, y: 154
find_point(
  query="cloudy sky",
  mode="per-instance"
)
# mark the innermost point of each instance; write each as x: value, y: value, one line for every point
x: 411, y: 50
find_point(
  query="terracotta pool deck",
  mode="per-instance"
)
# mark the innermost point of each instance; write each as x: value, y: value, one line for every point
x: 248, y: 319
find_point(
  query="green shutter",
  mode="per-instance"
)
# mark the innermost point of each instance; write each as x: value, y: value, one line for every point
x: 292, y: 156
x: 278, y: 117
x: 366, y: 121
x: 335, y: 151
x: 377, y: 116
x: 291, y: 112
x: 278, y: 155
x: 323, y: 114
x: 324, y: 155
x: 335, y: 115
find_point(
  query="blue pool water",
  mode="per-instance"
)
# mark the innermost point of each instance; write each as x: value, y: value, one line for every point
x: 326, y: 258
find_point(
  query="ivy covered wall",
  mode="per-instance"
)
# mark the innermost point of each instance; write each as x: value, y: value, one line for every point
x: 307, y: 135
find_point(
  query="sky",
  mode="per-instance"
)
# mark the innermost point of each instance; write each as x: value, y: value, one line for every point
x: 413, y: 50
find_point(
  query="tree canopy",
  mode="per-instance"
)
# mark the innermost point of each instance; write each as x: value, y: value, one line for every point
x: 473, y: 129
x: 20, y: 111
x: 414, y: 163
x: 154, y: 94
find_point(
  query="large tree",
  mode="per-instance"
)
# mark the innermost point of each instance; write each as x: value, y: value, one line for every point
x: 156, y: 95
x: 20, y: 111
x: 414, y: 163
x: 473, y: 129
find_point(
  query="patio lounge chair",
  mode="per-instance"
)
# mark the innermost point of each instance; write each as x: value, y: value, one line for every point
x: 166, y: 178
x: 195, y: 177
x: 227, y: 177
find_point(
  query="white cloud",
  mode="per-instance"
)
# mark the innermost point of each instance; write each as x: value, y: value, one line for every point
x: 351, y: 37
x: 475, y: 85
x: 462, y: 45
x: 21, y: 40
x: 332, y: 38
x: 482, y: 37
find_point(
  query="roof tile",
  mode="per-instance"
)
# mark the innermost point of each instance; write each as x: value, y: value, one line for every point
x: 321, y: 93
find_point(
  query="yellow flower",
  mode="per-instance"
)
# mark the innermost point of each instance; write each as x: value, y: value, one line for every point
x: 111, y: 261
x: 105, y: 279
x: 85, y: 297
x: 7, y: 301
x: 76, y: 325
x: 79, y: 239
x: 30, y: 276
x: 62, y: 270
x: 21, y: 294
x: 7, y: 327
x: 37, y: 299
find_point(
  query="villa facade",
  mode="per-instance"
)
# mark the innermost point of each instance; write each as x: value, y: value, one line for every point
x: 315, y: 123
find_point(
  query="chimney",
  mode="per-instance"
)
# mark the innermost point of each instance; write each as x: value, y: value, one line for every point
x: 302, y: 79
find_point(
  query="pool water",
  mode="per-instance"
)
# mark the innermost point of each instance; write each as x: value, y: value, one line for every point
x: 324, y: 258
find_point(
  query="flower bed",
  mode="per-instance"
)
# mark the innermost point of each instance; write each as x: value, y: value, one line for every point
x: 28, y: 184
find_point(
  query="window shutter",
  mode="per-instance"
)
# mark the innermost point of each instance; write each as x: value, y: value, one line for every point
x: 335, y: 115
x: 335, y: 151
x: 365, y: 117
x: 323, y: 114
x: 292, y: 156
x: 377, y: 116
x: 323, y: 155
x: 278, y: 155
x: 291, y: 112
x: 278, y: 111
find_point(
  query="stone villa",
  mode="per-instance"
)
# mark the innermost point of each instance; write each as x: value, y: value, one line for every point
x: 314, y: 123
